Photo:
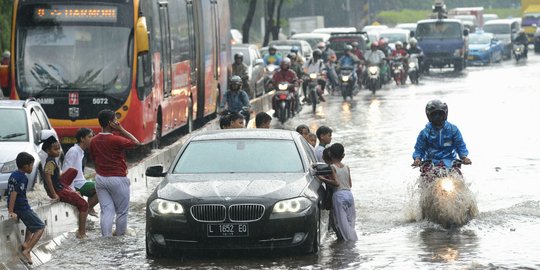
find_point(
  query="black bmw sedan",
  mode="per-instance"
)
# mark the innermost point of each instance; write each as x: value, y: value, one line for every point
x: 238, y: 189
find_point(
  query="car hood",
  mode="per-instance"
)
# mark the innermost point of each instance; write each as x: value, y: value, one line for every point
x: 179, y: 187
x: 478, y: 47
x: 10, y: 150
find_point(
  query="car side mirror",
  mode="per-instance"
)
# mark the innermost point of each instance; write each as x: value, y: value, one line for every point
x: 322, y: 169
x: 258, y: 62
x: 155, y: 171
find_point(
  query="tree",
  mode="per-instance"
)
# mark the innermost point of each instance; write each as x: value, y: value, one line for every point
x: 249, y: 19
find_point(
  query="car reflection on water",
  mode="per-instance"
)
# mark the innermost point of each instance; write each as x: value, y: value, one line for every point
x: 238, y: 189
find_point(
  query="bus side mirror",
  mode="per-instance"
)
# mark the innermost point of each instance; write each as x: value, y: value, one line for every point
x: 142, y: 36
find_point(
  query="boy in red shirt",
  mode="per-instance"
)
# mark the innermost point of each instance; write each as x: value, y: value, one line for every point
x: 107, y: 150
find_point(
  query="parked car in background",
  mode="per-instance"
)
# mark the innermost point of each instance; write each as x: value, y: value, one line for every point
x: 411, y: 27
x: 377, y: 28
x: 339, y: 40
x: 284, y: 47
x: 393, y: 35
x: 23, y: 124
x: 505, y: 30
x: 255, y: 63
x: 330, y: 30
x: 484, y: 49
x: 312, y: 38
x: 489, y: 17
x: 238, y: 189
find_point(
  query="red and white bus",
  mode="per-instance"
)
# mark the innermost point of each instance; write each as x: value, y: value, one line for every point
x: 159, y: 64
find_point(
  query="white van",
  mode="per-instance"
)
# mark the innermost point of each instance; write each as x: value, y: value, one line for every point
x: 505, y: 30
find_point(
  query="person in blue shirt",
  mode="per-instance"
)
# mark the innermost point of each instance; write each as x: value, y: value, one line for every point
x: 18, y: 206
x: 236, y: 100
x: 440, y: 141
x: 272, y: 57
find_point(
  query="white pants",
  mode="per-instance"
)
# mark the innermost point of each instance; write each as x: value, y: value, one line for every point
x: 113, y: 196
x: 345, y: 214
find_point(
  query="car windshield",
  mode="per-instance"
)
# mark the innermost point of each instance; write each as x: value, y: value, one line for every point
x: 497, y: 28
x: 394, y: 37
x: 480, y: 39
x: 313, y: 41
x: 438, y: 30
x: 245, y: 52
x: 240, y: 156
x: 13, y: 125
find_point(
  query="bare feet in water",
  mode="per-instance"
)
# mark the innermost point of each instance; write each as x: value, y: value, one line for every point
x: 92, y: 212
x: 27, y: 256
x: 80, y: 236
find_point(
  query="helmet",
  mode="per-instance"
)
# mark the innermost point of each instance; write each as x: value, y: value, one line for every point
x: 413, y: 41
x: 354, y: 44
x: 291, y: 55
x: 399, y: 43
x: 294, y: 49
x: 436, y: 106
x: 272, y: 48
x: 374, y: 44
x: 236, y: 80
x: 321, y: 45
x: 347, y: 47
x: 286, y: 61
x: 6, y: 54
x: 317, y: 53
x: 238, y: 55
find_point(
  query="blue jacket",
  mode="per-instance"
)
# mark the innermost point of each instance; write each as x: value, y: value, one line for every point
x: 440, y: 145
x: 235, y: 101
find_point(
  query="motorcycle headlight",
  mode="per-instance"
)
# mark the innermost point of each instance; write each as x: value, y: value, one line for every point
x: 283, y: 86
x: 457, y: 53
x: 9, y: 167
x: 271, y: 68
x: 313, y: 76
x: 291, y: 207
x: 412, y: 65
x: 345, y: 78
x: 372, y: 69
x: 447, y: 185
x: 164, y: 207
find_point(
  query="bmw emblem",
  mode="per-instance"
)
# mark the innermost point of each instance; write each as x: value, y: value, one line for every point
x: 227, y: 198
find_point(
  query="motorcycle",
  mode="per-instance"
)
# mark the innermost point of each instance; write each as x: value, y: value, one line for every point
x: 518, y: 50
x: 414, y: 73
x: 269, y: 71
x: 347, y: 81
x: 445, y: 198
x: 283, y: 100
x: 398, y: 71
x: 373, y: 80
x: 313, y: 90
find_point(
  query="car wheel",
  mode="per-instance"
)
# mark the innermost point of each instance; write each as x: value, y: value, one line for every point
x: 152, y: 250
x: 311, y: 245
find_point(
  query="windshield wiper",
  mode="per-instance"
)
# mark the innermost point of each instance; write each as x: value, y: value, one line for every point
x: 46, y: 89
x: 12, y: 135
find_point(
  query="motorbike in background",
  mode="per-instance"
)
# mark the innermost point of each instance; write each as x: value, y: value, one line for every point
x: 445, y: 198
x: 398, y: 71
x: 347, y: 81
x: 269, y: 71
x: 373, y: 80
x: 283, y: 99
x: 414, y: 73
x: 313, y: 90
x: 518, y: 51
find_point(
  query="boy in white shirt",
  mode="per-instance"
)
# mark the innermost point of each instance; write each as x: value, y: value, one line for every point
x: 74, y: 159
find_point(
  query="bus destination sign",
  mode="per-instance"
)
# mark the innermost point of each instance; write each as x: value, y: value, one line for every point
x: 76, y: 13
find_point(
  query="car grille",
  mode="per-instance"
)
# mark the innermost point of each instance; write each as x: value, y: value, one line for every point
x: 208, y: 212
x: 246, y: 212
x: 218, y: 212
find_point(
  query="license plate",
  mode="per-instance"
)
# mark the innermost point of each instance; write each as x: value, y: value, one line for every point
x: 68, y: 140
x: 470, y: 57
x: 228, y: 230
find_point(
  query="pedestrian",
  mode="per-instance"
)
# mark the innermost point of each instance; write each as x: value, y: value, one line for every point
x: 262, y: 120
x: 225, y: 121
x: 324, y: 135
x: 57, y: 185
x: 18, y: 206
x: 107, y: 150
x: 237, y: 120
x: 74, y: 159
x: 312, y: 140
x: 303, y: 130
x: 343, y: 200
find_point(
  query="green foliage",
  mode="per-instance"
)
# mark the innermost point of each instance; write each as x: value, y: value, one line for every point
x: 6, y: 7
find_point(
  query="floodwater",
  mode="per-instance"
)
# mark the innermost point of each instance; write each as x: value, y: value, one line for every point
x: 494, y: 107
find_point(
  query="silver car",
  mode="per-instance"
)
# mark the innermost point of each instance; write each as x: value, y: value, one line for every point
x: 22, y: 127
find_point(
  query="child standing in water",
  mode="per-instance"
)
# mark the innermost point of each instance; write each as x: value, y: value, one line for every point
x: 343, y: 201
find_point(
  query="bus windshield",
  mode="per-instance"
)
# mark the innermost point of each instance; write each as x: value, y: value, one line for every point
x: 66, y: 47
x: 438, y: 30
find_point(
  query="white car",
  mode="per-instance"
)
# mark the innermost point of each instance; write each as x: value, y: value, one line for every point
x: 22, y: 127
x: 312, y: 38
x: 393, y: 35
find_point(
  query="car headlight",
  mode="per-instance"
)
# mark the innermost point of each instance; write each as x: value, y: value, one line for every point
x: 164, y: 207
x: 457, y: 53
x: 9, y: 167
x: 291, y: 207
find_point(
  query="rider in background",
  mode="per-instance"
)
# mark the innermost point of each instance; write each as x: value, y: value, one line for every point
x: 240, y: 69
x: 401, y: 54
x: 295, y: 65
x: 236, y: 100
x: 299, y: 56
x: 439, y: 141
x: 325, y: 49
x: 522, y: 39
x: 285, y: 74
x: 315, y: 65
x: 415, y: 49
x: 272, y: 57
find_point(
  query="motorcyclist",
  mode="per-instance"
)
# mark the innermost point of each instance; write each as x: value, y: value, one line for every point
x: 356, y: 50
x: 415, y: 49
x: 240, y: 69
x: 285, y: 74
x: 401, y: 54
x: 325, y: 49
x: 522, y: 39
x: 331, y: 74
x: 439, y: 141
x: 383, y: 46
x: 349, y: 59
x: 272, y: 57
x: 236, y: 100
x: 295, y: 65
x: 315, y: 65
x: 374, y: 57
x: 299, y: 56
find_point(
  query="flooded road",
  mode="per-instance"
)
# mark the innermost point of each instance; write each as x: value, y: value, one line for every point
x: 495, y: 109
